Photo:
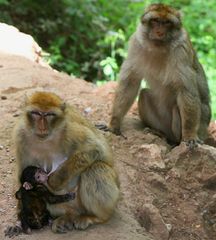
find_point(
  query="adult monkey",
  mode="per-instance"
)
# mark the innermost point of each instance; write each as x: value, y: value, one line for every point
x: 54, y: 136
x: 177, y: 103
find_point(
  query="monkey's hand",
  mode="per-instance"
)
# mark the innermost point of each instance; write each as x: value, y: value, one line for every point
x: 193, y: 143
x: 27, y: 185
x: 70, y: 196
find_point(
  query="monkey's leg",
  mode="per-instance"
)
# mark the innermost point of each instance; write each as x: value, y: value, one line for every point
x: 176, y: 124
x: 155, y: 115
x: 190, y: 112
x: 125, y: 95
x: 204, y: 122
x: 64, y: 222
x: 99, y: 193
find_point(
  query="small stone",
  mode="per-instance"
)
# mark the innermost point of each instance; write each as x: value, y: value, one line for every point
x: 3, y: 97
x: 150, y: 218
x: 1, y: 147
x: 214, y: 227
x: 16, y: 115
x: 169, y: 227
x: 12, y: 160
x: 2, y: 210
x: 87, y: 110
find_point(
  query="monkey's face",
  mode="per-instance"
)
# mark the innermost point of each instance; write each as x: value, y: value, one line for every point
x: 43, y: 123
x: 44, y: 113
x: 161, y: 23
x: 41, y: 176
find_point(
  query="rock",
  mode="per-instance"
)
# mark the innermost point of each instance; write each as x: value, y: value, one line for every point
x: 149, y: 217
x: 151, y: 155
x: 210, y: 182
x: 196, y: 163
x: 157, y: 182
x: 12, y: 40
x: 209, y: 217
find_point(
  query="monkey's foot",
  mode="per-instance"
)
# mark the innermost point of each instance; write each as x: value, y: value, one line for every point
x: 105, y: 128
x: 62, y: 224
x: 12, y: 231
x: 193, y: 143
x: 83, y: 222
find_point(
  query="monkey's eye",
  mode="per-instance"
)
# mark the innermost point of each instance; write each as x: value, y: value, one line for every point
x: 51, y: 114
x: 167, y: 23
x: 35, y: 113
x: 37, y: 176
x: 155, y: 21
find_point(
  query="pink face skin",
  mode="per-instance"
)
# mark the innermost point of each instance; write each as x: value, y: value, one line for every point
x: 41, y: 176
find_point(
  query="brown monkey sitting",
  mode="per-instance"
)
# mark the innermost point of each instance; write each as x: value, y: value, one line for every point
x: 177, y: 102
x: 51, y: 134
x: 33, y: 196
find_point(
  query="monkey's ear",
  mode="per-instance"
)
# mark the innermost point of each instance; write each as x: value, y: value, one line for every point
x: 25, y: 101
x: 143, y: 19
x: 180, y: 14
x: 63, y: 106
x: 18, y: 195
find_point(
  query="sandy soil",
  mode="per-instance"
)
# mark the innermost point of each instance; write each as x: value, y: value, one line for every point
x: 162, y: 188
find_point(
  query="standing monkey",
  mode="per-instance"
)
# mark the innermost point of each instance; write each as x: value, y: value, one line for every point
x: 53, y: 136
x: 177, y: 102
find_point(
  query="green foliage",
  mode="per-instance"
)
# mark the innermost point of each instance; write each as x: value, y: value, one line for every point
x: 88, y: 38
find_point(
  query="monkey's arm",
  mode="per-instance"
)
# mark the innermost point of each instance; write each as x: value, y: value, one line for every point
x: 125, y: 95
x: 52, y: 198
x: 70, y: 169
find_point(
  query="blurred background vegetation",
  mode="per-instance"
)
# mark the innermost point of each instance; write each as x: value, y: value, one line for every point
x: 88, y: 38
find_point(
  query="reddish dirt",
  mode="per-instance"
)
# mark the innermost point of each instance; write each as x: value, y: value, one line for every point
x: 166, y: 193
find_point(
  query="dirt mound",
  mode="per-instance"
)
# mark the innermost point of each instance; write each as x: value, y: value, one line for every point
x: 166, y: 193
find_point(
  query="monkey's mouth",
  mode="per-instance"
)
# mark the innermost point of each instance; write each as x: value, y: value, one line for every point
x: 159, y: 42
x: 42, y: 135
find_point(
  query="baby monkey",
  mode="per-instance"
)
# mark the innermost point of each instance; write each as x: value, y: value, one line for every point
x: 33, y: 196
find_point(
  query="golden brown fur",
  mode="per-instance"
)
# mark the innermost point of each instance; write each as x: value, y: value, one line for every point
x: 177, y: 103
x: 77, y: 156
